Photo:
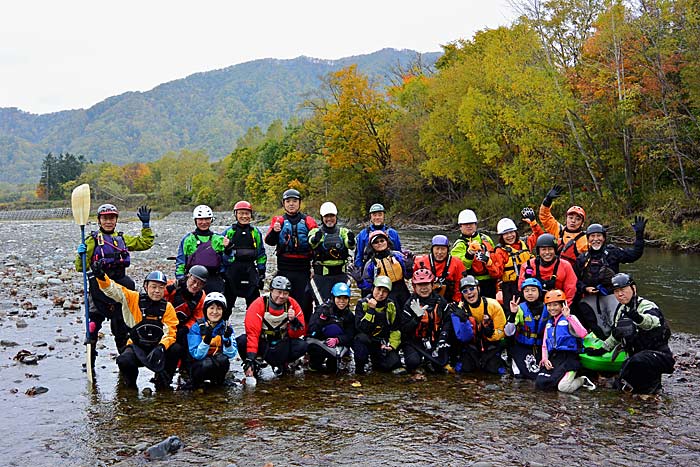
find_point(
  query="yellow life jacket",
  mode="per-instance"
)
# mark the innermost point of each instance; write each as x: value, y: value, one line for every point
x: 389, y: 267
x: 516, y: 258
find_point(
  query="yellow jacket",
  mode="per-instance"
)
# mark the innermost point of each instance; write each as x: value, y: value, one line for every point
x: 132, y: 312
x: 495, y: 311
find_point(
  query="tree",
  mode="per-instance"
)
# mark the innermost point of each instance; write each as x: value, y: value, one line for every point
x: 55, y: 171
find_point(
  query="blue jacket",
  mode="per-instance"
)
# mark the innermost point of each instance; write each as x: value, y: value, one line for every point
x: 199, y: 350
x: 363, y: 237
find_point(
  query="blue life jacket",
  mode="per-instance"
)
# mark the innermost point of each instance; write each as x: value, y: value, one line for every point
x: 294, y: 238
x: 112, y: 250
x: 530, y: 333
x: 559, y: 338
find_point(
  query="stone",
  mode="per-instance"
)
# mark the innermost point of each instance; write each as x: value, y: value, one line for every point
x: 63, y: 339
x: 8, y: 343
x: 55, y: 281
x: 39, y: 344
x: 40, y: 280
x: 21, y: 323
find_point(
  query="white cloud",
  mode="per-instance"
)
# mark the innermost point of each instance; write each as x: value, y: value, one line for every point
x: 73, y: 54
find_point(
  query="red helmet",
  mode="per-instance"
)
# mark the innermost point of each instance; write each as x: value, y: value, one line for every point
x: 577, y: 210
x: 423, y: 276
x: 555, y: 295
x: 242, y: 205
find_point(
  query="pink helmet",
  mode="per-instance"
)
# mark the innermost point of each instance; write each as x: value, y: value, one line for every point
x: 423, y: 276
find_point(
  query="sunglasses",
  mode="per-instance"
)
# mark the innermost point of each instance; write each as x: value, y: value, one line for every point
x: 468, y: 289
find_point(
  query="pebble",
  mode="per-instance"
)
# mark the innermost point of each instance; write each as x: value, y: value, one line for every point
x: 63, y: 339
x: 21, y: 323
x: 7, y: 281
x: 39, y: 344
x: 7, y: 343
x: 540, y: 414
x: 482, y: 464
x: 40, y: 280
x: 55, y: 281
x: 36, y: 390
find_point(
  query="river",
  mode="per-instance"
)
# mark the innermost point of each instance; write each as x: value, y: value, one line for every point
x: 312, y: 419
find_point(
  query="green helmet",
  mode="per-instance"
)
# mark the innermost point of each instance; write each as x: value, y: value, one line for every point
x: 383, y: 281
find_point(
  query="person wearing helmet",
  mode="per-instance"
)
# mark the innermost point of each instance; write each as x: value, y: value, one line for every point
x: 527, y: 320
x: 446, y: 268
x: 474, y: 249
x: 572, y: 236
x: 187, y: 297
x: 152, y: 324
x: 378, y: 336
x: 245, y: 260
x: 510, y: 254
x: 424, y: 325
x: 211, y: 343
x: 563, y: 340
x: 383, y: 261
x: 331, y: 246
x: 331, y: 330
x: 642, y: 331
x: 113, y: 249
x: 274, y: 330
x: 376, y: 222
x: 202, y: 247
x: 595, y: 304
x: 549, y: 269
x: 289, y: 234
x: 481, y: 350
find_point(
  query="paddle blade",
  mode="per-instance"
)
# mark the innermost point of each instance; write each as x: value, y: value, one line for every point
x: 80, y: 203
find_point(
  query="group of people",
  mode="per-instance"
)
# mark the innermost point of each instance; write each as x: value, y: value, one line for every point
x: 521, y: 305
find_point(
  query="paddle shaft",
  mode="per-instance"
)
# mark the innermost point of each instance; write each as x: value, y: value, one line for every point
x: 85, y: 286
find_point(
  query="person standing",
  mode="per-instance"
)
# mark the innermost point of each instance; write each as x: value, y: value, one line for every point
x: 474, y: 249
x: 203, y: 247
x: 289, y: 234
x: 331, y: 246
x: 245, y: 260
x: 572, y: 236
x: 113, y: 249
x: 377, y: 216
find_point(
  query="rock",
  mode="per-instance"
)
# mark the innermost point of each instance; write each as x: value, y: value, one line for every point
x: 36, y: 390
x: 140, y: 447
x: 7, y: 281
x: 540, y: 414
x: 148, y: 392
x: 58, y: 301
x: 7, y: 343
x: 39, y: 344
x: 482, y: 464
x: 26, y: 357
x: 169, y: 445
x: 63, y: 339
x: 27, y: 305
x: 40, y: 280
x: 21, y: 323
x: 55, y: 281
x: 492, y: 387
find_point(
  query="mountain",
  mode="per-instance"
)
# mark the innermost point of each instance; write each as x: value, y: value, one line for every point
x: 208, y: 110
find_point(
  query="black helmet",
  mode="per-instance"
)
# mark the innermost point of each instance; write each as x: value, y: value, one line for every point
x: 155, y: 276
x: 545, y: 240
x: 596, y: 228
x: 621, y: 280
x: 200, y: 272
x: 291, y: 193
x: 281, y: 283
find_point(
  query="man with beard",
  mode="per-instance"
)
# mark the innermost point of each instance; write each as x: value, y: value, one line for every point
x: 595, y: 269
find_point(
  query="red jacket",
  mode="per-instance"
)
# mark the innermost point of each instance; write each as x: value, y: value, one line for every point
x: 565, y: 280
x: 454, y: 273
x: 183, y: 309
x: 254, y: 321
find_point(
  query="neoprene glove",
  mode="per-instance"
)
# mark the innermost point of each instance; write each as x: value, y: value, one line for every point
x: 554, y: 193
x: 482, y: 256
x: 228, y: 332
x: 295, y: 324
x: 144, y: 215
x: 157, y: 355
x: 528, y: 213
x: 317, y: 236
x: 593, y: 352
x: 98, y: 269
x: 206, y: 332
x: 82, y: 249
x: 332, y: 342
x: 634, y: 315
x: 487, y: 327
x: 355, y: 272
x: 410, y: 259
x: 639, y: 224
x: 457, y: 311
x: 351, y: 240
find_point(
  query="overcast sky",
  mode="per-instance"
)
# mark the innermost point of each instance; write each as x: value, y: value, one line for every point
x: 58, y: 55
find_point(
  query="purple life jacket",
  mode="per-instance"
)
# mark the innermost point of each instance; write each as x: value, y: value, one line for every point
x: 112, y: 250
x: 206, y: 256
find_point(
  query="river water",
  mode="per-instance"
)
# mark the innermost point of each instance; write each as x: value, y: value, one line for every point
x: 312, y: 419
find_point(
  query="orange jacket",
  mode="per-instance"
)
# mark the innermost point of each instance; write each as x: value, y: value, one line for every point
x: 131, y: 311
x: 571, y: 244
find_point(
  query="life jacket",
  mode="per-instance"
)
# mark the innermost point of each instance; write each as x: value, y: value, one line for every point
x: 388, y: 266
x: 430, y: 324
x: 112, y: 250
x: 597, y: 271
x: 563, y: 248
x: 635, y: 339
x: 216, y: 341
x: 516, y: 258
x: 382, y: 327
x: 274, y: 328
x: 477, y: 268
x: 533, y: 265
x: 246, y: 242
x: 332, y: 250
x: 478, y: 326
x: 294, y: 238
x: 149, y: 331
x: 367, y: 252
x: 442, y: 285
x: 531, y: 331
x: 183, y: 308
x: 204, y: 255
x: 559, y: 336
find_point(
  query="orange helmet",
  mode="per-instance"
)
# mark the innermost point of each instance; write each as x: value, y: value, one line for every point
x: 555, y: 295
x: 577, y: 210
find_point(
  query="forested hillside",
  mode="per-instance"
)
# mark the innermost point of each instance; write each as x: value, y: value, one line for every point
x: 206, y: 111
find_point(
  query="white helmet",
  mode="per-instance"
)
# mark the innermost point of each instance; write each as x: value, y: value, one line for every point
x: 505, y: 225
x: 202, y: 212
x: 328, y: 208
x: 467, y: 217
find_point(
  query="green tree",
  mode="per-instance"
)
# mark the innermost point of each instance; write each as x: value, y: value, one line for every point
x: 55, y: 171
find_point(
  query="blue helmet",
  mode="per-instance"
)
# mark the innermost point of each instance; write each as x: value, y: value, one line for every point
x: 340, y: 289
x: 440, y: 240
x: 531, y: 281
x: 155, y: 276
